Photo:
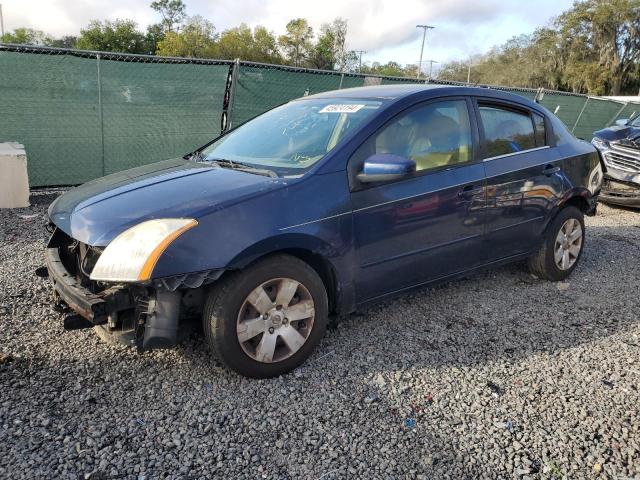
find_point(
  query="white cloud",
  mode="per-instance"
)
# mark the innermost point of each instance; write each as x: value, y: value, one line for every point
x: 385, y: 28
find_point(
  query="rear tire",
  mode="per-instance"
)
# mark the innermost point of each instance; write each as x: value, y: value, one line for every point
x: 245, y: 318
x: 562, y: 246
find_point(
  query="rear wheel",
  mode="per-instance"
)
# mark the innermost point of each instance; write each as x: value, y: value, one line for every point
x: 562, y: 246
x: 267, y: 319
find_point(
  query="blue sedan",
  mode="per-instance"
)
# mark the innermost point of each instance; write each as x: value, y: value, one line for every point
x: 316, y: 208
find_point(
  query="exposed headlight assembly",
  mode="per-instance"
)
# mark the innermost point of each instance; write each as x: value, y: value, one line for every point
x: 132, y: 255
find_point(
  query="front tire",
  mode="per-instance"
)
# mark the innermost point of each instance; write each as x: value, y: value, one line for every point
x: 267, y: 319
x: 562, y: 246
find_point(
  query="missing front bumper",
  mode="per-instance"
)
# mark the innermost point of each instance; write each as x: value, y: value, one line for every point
x: 153, y: 313
x: 94, y: 307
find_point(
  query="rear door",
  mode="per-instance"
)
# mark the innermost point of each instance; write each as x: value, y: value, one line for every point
x: 524, y: 177
x: 427, y: 225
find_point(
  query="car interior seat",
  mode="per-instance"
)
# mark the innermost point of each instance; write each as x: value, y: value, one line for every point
x: 439, y: 142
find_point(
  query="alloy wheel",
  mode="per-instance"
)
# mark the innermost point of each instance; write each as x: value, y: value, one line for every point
x: 568, y: 244
x: 275, y: 320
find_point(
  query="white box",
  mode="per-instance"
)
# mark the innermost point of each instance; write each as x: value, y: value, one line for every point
x: 14, y: 179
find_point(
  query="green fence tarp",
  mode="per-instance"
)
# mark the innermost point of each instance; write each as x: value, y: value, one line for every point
x: 260, y: 88
x: 49, y: 104
x: 155, y: 111
x: 76, y: 128
x: 82, y: 114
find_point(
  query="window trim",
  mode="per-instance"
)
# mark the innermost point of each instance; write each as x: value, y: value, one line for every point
x: 504, y: 155
x: 514, y: 106
x: 535, y: 127
x: 476, y: 158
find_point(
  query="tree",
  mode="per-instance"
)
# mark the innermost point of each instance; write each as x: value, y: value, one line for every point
x: 196, y: 39
x: 265, y: 46
x: 330, y: 51
x: 343, y: 58
x: 27, y: 36
x: 236, y: 42
x: 323, y: 54
x: 67, y: 41
x: 155, y: 34
x: 296, y: 43
x: 240, y: 42
x: 117, y: 36
x: 390, y: 69
x: 173, y: 12
x: 602, y: 37
x: 593, y: 48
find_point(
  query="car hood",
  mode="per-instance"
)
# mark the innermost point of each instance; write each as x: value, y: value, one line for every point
x: 624, y: 135
x: 97, y: 211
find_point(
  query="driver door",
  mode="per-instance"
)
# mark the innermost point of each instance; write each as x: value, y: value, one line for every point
x: 428, y: 225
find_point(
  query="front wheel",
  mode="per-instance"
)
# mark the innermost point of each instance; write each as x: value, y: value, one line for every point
x: 267, y: 319
x: 562, y: 246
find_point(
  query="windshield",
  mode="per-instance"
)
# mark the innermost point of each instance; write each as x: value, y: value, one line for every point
x: 291, y: 138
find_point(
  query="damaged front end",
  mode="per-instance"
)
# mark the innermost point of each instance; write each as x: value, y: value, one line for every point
x: 621, y: 158
x: 147, y: 314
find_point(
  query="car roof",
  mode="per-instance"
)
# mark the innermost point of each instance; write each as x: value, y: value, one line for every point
x: 398, y: 92
x: 387, y: 92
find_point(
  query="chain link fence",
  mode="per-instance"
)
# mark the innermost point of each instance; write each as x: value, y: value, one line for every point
x: 83, y: 114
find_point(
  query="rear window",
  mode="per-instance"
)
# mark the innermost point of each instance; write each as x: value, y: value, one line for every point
x: 506, y: 131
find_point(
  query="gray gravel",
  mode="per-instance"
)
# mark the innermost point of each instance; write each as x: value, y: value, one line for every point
x: 496, y: 376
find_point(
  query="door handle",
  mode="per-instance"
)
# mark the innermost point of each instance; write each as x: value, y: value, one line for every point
x: 470, y: 191
x: 550, y: 170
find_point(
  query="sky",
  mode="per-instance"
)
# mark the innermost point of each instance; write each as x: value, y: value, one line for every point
x: 386, y: 29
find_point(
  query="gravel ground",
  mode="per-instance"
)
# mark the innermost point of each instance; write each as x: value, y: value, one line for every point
x: 496, y: 376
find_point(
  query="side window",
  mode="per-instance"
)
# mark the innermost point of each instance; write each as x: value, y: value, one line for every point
x: 506, y: 131
x: 435, y: 135
x: 541, y: 138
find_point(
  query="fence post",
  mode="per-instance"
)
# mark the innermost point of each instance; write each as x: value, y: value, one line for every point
x: 232, y: 93
x: 580, y: 115
x: 100, y: 112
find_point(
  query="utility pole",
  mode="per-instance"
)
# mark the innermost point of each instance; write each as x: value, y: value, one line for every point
x: 424, y: 36
x: 431, y: 62
x: 469, y: 73
x: 360, y: 52
x: 1, y: 25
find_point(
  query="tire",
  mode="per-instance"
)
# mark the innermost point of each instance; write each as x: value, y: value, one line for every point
x: 229, y: 307
x: 543, y: 262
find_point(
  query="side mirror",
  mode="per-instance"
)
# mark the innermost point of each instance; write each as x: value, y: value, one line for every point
x: 385, y: 167
x: 622, y: 122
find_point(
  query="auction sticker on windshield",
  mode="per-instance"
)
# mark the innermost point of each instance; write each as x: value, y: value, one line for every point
x: 341, y: 108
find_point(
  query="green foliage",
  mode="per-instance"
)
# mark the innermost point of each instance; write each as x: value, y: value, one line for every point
x: 67, y: 41
x: 117, y: 36
x: 329, y: 51
x: 27, y: 36
x: 155, y: 34
x: 390, y: 69
x: 297, y: 42
x: 240, y: 42
x: 265, y: 47
x: 593, y: 48
x: 173, y: 12
x: 196, y: 39
x: 322, y: 55
x: 603, y: 38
